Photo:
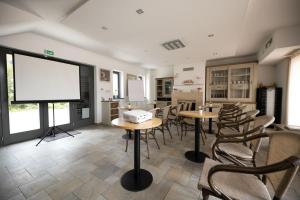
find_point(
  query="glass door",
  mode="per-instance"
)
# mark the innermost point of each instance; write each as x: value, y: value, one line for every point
x: 240, y: 82
x: 218, y: 83
x: 20, y: 121
x: 167, y: 87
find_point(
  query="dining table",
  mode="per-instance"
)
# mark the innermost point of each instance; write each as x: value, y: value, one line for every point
x: 136, y: 179
x: 196, y: 155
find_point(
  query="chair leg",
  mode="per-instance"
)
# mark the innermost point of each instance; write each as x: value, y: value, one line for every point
x: 202, y: 137
x: 205, y: 194
x: 168, y: 129
x: 156, y: 141
x: 127, y: 142
x: 177, y: 128
x: 163, y: 133
x: 204, y: 132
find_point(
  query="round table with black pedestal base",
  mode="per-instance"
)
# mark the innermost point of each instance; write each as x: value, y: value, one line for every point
x: 196, y: 155
x: 136, y: 179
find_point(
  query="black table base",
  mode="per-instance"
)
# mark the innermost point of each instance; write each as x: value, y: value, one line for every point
x: 198, y: 158
x: 136, y: 179
x: 136, y: 182
x: 196, y: 155
x: 210, y: 130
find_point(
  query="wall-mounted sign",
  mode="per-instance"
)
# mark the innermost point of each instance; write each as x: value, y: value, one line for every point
x: 48, y: 52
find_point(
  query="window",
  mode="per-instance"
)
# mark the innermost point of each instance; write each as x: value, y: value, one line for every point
x: 22, y: 117
x: 293, y: 105
x: 61, y: 113
x: 116, y: 85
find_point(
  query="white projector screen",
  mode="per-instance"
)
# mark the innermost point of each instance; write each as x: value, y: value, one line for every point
x: 38, y: 79
x: 136, y: 90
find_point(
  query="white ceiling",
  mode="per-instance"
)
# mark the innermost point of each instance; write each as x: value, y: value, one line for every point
x: 239, y: 26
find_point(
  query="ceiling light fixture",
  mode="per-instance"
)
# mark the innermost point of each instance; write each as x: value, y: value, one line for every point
x: 172, y: 45
x: 211, y: 35
x: 139, y: 11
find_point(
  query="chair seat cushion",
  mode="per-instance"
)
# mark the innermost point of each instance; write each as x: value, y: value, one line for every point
x: 235, y: 185
x: 229, y: 131
x: 189, y: 121
x: 237, y: 150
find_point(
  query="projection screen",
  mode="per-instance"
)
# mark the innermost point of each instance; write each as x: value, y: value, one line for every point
x: 42, y: 80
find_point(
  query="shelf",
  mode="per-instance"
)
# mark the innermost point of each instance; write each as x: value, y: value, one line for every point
x: 239, y: 75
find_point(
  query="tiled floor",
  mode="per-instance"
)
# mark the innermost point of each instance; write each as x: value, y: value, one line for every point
x: 90, y: 165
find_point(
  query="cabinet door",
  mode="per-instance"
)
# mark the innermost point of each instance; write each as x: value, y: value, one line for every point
x: 241, y: 82
x: 217, y: 87
x: 167, y: 87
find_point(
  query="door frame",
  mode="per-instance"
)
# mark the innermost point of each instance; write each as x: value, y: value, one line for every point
x: 5, y: 136
x: 8, y: 138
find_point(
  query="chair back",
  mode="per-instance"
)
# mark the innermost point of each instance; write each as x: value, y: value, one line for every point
x: 185, y: 106
x: 250, y: 114
x: 179, y: 108
x: 166, y: 111
x: 190, y: 106
x: 154, y: 112
x: 282, y: 144
x: 263, y: 121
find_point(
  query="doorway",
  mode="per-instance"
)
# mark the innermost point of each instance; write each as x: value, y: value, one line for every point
x: 20, y: 122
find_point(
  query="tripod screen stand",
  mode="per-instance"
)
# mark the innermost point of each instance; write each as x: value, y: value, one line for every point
x: 52, y: 131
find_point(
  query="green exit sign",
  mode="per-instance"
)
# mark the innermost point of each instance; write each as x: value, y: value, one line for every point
x: 48, y: 52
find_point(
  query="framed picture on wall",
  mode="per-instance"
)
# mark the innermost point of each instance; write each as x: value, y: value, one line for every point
x: 104, y: 75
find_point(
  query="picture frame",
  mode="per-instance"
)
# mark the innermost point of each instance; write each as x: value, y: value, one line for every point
x: 104, y: 75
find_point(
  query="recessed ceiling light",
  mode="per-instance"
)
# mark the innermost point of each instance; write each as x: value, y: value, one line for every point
x: 139, y: 11
x: 104, y: 28
x: 210, y: 35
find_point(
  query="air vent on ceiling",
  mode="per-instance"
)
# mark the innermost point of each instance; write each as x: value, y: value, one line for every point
x: 172, y: 45
x: 188, y: 69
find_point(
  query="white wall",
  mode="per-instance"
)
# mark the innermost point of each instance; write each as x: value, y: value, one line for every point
x: 265, y: 75
x: 197, y: 76
x: 36, y: 43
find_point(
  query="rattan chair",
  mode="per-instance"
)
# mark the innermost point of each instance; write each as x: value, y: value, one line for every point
x: 239, y: 182
x: 174, y: 118
x: 165, y: 123
x: 238, y: 148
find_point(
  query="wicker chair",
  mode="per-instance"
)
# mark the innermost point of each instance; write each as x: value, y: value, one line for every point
x: 174, y: 118
x: 231, y: 125
x: 238, y: 182
x: 165, y: 123
x: 234, y: 147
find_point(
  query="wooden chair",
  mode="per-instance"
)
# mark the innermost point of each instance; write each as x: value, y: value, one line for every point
x: 239, y: 182
x: 146, y: 135
x: 174, y: 118
x: 234, y: 147
x: 231, y: 125
x: 188, y: 124
x: 165, y: 123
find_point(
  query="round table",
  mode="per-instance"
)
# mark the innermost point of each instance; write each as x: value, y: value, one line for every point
x: 210, y: 107
x: 136, y: 179
x: 196, y: 155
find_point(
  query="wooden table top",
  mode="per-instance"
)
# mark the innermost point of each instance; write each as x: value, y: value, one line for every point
x: 198, y: 114
x: 121, y: 123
